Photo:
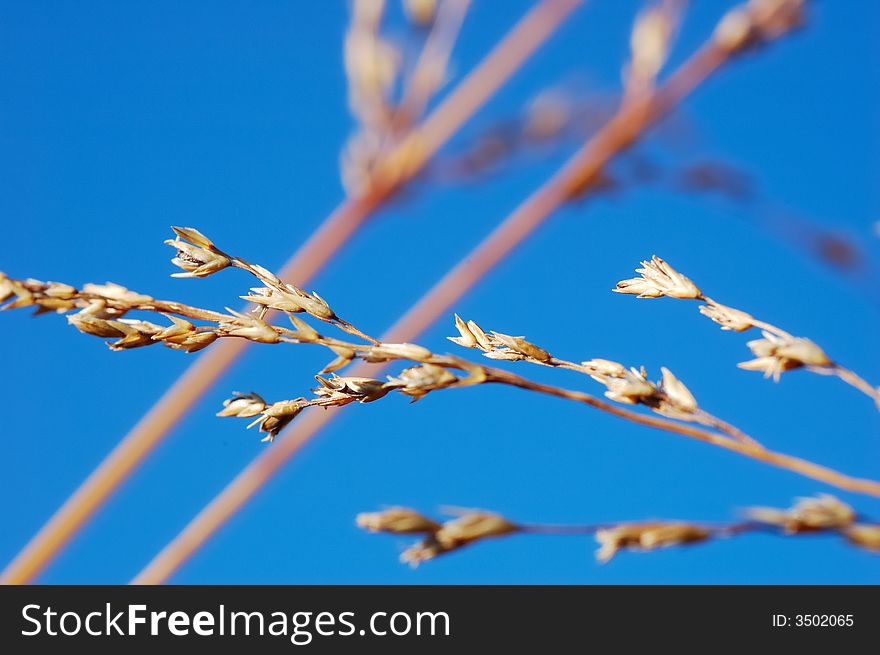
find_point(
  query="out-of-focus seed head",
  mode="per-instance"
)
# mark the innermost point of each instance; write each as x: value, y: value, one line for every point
x: 864, y: 535
x: 646, y: 536
x: 631, y: 388
x: 676, y: 393
x: 472, y: 526
x: 420, y: 12
x: 650, y: 41
x: 824, y: 512
x: 757, y: 22
x: 397, y: 520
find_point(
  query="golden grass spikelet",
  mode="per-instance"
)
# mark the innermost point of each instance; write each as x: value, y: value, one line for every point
x: 823, y: 512
x: 418, y: 381
x: 631, y: 388
x: 776, y: 354
x: 7, y: 288
x: 135, y: 334
x: 659, y: 279
x: 518, y: 346
x: 422, y: 551
x: 471, y: 526
x: 248, y: 327
x: 390, y: 351
x: 646, y: 536
x: 678, y: 395
x: 196, y: 254
x: 98, y: 327
x: 304, y: 332
x: 340, y: 391
x: 192, y: 342
x: 599, y: 368
x: 244, y: 405
x: 278, y: 415
x: 471, y: 335
x: 864, y: 535
x: 397, y: 520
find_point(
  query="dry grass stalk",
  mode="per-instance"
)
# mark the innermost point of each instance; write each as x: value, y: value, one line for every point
x: 196, y: 253
x: 527, y: 35
x: 776, y: 352
x: 823, y: 514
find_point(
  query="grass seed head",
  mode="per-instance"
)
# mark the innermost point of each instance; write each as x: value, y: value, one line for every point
x: 397, y: 520
x: 659, y: 279
x: 646, y: 536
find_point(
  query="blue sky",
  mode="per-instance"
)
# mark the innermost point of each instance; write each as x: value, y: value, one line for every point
x: 118, y: 120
